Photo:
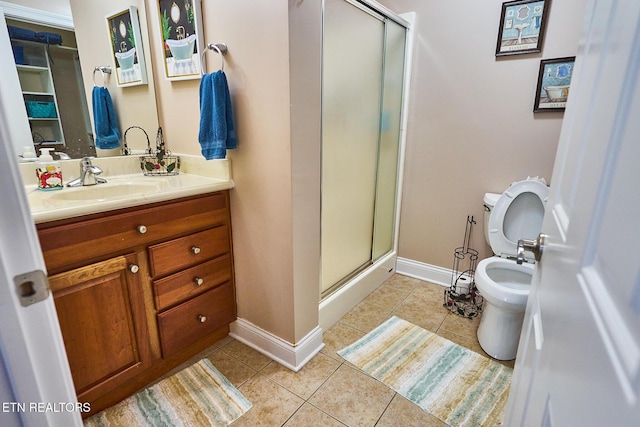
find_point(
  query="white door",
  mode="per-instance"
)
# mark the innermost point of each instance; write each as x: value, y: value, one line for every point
x: 579, y: 357
x: 36, y: 388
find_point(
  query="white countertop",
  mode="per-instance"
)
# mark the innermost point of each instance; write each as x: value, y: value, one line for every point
x: 126, y: 186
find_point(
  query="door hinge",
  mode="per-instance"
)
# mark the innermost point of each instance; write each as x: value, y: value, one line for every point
x: 32, y: 287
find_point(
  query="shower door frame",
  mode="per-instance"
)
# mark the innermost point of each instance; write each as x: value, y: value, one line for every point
x: 351, y: 290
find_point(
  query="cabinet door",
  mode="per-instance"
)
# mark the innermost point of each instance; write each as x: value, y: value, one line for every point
x: 101, y: 313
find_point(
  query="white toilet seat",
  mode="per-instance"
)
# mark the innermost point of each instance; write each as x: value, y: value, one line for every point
x: 504, y: 228
x: 504, y: 283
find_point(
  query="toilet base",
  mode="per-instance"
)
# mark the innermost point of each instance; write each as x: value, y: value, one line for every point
x: 499, y: 331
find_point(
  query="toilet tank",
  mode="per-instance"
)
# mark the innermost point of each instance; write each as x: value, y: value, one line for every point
x: 490, y: 200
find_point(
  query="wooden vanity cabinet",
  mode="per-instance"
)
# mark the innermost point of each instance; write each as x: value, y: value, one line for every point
x: 140, y: 290
x: 101, y: 313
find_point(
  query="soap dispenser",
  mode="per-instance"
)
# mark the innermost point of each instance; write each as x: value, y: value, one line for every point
x: 48, y: 171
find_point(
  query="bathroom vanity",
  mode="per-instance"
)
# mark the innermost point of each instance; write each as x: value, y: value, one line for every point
x: 139, y: 289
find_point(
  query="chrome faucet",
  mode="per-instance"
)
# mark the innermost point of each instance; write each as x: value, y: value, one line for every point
x: 88, y: 174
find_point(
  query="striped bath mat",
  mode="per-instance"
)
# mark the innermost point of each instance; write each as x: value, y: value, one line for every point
x: 196, y: 396
x: 460, y: 387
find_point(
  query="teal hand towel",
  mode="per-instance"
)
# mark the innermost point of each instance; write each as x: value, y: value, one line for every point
x: 105, y: 119
x: 217, y: 132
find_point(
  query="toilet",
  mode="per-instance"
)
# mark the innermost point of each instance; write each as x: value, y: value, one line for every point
x: 515, y: 214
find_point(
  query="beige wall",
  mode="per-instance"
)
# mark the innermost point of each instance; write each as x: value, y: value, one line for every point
x: 471, y: 127
x: 257, y: 69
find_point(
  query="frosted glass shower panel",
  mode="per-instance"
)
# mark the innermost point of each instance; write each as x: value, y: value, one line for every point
x: 385, y: 207
x: 351, y: 99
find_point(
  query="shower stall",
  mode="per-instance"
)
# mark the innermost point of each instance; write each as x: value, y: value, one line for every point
x: 364, y: 73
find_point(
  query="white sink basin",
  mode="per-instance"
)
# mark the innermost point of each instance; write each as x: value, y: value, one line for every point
x: 108, y: 191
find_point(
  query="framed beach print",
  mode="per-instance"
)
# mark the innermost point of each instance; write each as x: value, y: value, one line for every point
x: 181, y: 35
x: 126, y: 47
x: 522, y: 25
x: 554, y: 79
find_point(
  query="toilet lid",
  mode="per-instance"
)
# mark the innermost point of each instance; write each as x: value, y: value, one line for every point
x: 517, y: 214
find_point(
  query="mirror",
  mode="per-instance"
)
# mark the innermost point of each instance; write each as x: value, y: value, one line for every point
x: 135, y: 105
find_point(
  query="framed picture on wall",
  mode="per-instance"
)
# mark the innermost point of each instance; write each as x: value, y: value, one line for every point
x: 554, y: 79
x: 126, y: 47
x: 522, y: 25
x: 181, y: 35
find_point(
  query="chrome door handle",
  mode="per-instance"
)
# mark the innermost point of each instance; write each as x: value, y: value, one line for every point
x: 535, y: 246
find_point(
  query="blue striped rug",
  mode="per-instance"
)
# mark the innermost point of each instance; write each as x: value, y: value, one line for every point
x: 196, y: 396
x: 455, y: 384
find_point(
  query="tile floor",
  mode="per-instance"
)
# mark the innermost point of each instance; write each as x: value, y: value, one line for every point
x: 329, y: 391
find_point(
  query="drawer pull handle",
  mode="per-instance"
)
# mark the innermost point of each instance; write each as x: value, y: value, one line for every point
x: 142, y: 229
x: 195, y: 250
x: 134, y: 268
x: 202, y: 318
x: 199, y: 281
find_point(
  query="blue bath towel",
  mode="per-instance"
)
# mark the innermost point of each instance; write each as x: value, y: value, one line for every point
x: 217, y: 133
x: 105, y: 119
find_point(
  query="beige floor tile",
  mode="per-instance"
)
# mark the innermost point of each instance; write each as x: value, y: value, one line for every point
x: 387, y: 296
x: 403, y: 413
x: 460, y: 325
x: 338, y: 337
x: 429, y: 319
x: 309, y: 415
x: 403, y: 282
x: 234, y: 370
x: 246, y: 354
x: 224, y: 341
x: 352, y: 397
x: 428, y: 294
x: 306, y: 381
x: 272, y: 404
x: 366, y: 316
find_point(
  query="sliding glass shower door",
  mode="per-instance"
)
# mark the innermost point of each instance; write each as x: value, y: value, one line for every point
x: 360, y: 134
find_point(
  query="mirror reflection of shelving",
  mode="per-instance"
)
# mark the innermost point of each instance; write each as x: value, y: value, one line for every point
x: 36, y: 82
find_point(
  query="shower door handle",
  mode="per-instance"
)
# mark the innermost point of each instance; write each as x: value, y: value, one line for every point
x: 535, y: 246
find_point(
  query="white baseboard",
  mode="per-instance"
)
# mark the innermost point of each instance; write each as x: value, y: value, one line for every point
x: 292, y: 356
x: 427, y: 272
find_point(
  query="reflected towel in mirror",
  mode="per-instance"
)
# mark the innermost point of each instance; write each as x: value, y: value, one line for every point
x: 105, y: 119
x: 217, y: 132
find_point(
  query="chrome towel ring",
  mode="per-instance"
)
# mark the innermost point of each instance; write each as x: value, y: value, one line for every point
x: 221, y: 48
x: 103, y: 69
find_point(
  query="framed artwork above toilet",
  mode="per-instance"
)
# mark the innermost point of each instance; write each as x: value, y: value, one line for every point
x: 522, y: 25
x: 554, y: 79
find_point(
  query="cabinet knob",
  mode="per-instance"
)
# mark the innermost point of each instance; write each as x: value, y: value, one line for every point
x: 195, y: 250
x: 134, y: 268
x: 202, y: 318
x: 199, y: 281
x: 142, y: 229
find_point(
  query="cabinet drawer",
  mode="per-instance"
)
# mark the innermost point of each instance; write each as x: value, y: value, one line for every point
x: 78, y: 240
x: 190, y: 321
x: 186, y: 284
x: 187, y: 251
